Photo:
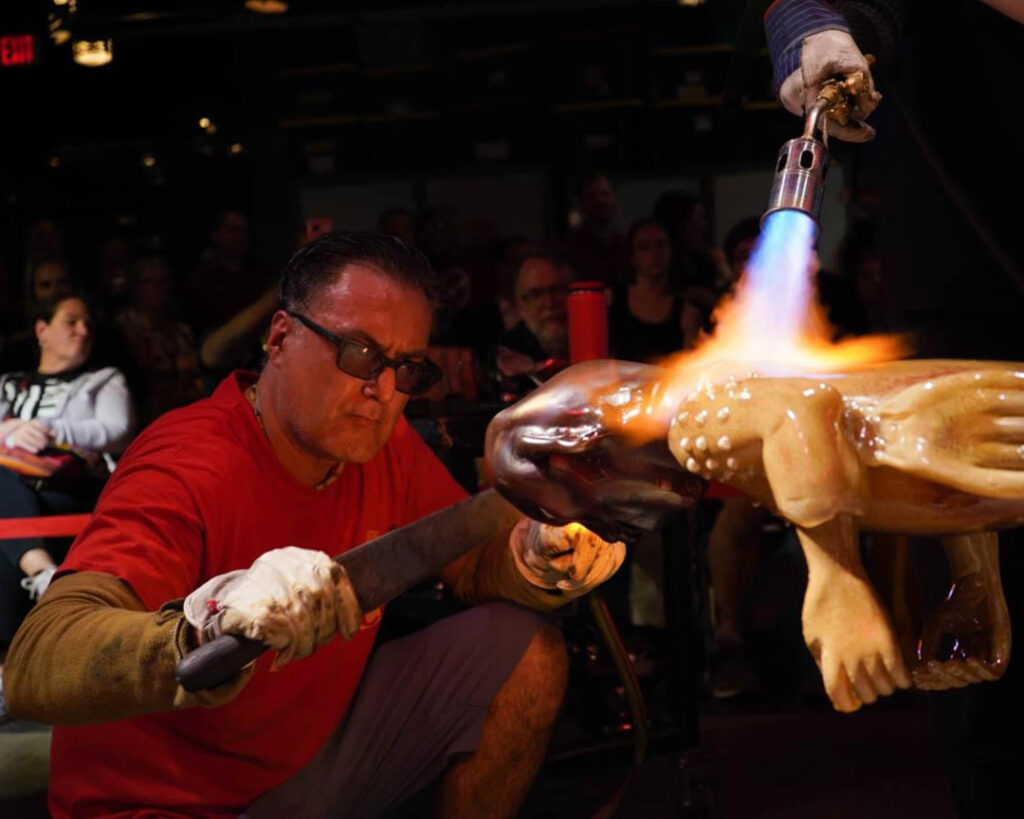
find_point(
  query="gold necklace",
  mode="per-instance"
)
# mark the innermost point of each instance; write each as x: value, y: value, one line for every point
x: 254, y: 401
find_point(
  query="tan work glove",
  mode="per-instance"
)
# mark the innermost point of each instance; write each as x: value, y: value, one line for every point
x: 570, y: 558
x: 823, y: 56
x: 292, y: 599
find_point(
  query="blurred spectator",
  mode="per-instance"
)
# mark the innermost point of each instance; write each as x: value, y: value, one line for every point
x: 44, y: 241
x: 438, y: 237
x: 227, y: 279
x: 462, y: 318
x: 596, y: 248
x: 57, y: 422
x: 538, y: 345
x: 854, y: 295
x: 685, y: 218
x: 164, y: 350
x: 509, y: 254
x: 114, y: 262
x: 737, y: 247
x: 649, y: 319
x: 398, y: 221
x: 49, y: 278
x: 228, y: 300
x: 45, y: 280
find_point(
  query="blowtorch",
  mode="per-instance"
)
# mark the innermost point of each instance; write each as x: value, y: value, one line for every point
x: 799, y: 182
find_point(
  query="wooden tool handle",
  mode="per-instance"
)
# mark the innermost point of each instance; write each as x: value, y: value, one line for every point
x: 216, y: 662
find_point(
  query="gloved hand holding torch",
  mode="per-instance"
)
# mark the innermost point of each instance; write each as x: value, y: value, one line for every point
x: 810, y: 45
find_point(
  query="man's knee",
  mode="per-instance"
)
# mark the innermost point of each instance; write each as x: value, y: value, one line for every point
x: 541, y: 676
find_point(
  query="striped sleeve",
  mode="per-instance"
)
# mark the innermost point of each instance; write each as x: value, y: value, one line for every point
x: 787, y: 23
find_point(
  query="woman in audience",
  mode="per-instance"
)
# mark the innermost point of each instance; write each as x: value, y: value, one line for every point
x: 163, y: 349
x: 59, y: 425
x: 649, y: 318
x: 45, y: 280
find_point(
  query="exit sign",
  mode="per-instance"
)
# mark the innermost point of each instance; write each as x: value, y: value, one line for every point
x: 18, y: 49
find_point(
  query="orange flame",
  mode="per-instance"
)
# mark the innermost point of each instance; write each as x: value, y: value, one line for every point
x: 769, y: 326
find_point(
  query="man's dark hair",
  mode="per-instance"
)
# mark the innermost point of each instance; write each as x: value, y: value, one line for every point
x: 555, y: 256
x: 742, y: 231
x: 318, y: 264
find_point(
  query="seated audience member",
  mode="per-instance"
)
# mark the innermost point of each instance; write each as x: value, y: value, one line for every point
x: 398, y: 221
x: 45, y: 280
x: 854, y: 295
x: 228, y: 300
x: 596, y: 248
x: 538, y: 345
x: 56, y: 424
x: 115, y: 259
x: 163, y: 349
x: 44, y: 240
x: 685, y: 218
x: 226, y: 280
x: 649, y: 319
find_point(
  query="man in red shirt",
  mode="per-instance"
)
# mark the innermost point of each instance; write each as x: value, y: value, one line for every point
x: 220, y: 518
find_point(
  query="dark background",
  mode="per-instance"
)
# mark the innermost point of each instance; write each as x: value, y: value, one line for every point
x: 379, y: 93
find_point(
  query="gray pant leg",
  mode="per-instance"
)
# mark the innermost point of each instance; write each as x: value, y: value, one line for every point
x: 422, y: 699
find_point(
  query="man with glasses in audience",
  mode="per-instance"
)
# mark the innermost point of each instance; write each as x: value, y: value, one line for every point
x: 220, y: 518
x: 538, y: 345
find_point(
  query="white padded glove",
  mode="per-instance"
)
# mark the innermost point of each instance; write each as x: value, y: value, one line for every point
x: 292, y: 599
x: 570, y: 557
x: 823, y: 56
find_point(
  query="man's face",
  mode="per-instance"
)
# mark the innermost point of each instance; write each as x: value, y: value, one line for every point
x: 327, y: 413
x: 542, y: 292
x: 51, y: 280
x: 597, y: 200
x: 232, y: 235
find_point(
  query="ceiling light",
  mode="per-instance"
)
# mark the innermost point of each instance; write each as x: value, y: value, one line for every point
x: 54, y: 162
x: 204, y: 122
x: 93, y: 53
x: 267, y: 6
x: 148, y: 161
x: 236, y: 148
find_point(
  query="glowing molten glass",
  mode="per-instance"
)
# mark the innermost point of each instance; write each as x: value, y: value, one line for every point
x: 771, y: 325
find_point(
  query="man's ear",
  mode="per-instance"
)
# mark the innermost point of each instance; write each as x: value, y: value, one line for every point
x: 280, y: 326
x: 40, y: 328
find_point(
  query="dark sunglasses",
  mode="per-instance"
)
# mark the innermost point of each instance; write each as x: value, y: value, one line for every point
x: 361, y: 360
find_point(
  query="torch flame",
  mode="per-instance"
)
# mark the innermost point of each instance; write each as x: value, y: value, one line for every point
x: 771, y: 325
